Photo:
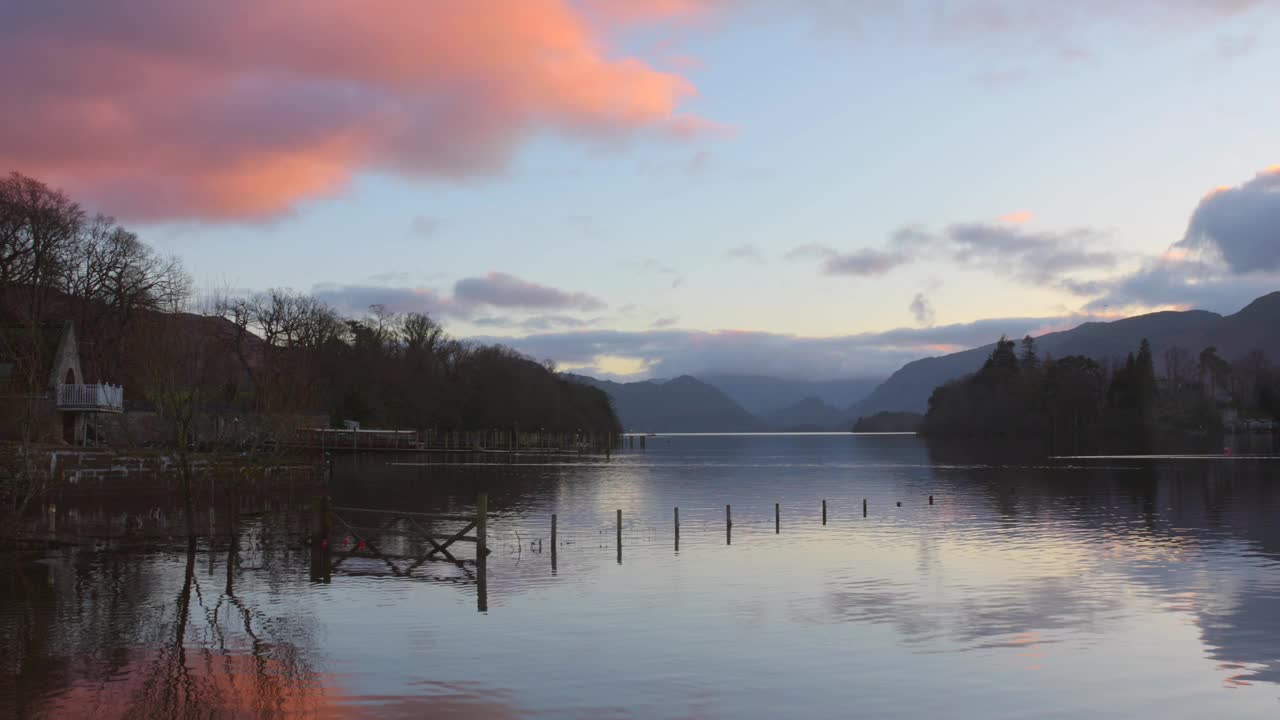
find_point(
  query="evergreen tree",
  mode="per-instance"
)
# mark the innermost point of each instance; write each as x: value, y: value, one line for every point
x: 1214, y: 370
x: 1144, y: 381
x: 1029, y: 359
x: 1002, y: 366
x: 1122, y: 394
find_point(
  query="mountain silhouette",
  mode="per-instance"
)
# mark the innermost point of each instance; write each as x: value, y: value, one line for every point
x: 684, y: 404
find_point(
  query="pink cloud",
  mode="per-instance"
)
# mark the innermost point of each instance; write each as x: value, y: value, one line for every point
x: 237, y: 109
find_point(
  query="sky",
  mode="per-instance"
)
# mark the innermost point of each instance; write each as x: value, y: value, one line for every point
x: 642, y: 188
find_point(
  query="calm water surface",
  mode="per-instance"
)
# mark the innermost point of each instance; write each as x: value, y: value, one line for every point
x: 1089, y: 588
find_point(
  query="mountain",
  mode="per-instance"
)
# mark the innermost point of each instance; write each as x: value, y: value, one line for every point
x: 1254, y: 327
x: 807, y: 415
x: 762, y: 395
x: 684, y: 404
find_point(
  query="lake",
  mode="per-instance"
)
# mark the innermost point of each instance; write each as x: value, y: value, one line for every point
x: 1107, y: 587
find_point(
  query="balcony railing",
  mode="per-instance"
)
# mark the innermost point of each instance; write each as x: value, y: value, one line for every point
x: 94, y: 398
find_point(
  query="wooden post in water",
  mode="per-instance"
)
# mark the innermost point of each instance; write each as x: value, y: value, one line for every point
x: 553, y: 544
x: 321, y: 565
x: 777, y: 518
x: 320, y: 520
x: 320, y: 528
x: 930, y: 499
x: 677, y: 520
x: 728, y: 526
x: 619, y: 536
x: 321, y: 548
x: 864, y: 507
x: 482, y: 552
x: 824, y: 512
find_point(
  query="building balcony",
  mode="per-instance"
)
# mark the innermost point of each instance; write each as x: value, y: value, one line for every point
x: 90, y: 398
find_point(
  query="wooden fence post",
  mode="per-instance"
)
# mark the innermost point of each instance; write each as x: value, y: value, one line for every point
x: 482, y: 552
x: 321, y: 522
x: 321, y: 548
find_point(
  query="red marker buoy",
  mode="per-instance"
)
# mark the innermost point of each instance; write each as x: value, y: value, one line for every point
x: 361, y: 545
x: 1226, y: 451
x: 324, y: 542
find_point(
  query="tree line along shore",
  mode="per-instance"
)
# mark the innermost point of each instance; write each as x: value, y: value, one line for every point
x: 1075, y: 403
x: 165, y: 369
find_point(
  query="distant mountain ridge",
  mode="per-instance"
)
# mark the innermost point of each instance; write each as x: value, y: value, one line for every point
x: 1254, y: 327
x: 724, y: 402
x: 684, y: 404
x: 689, y: 404
x: 762, y: 395
x: 808, y: 415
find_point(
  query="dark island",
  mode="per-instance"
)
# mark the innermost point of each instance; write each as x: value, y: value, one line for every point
x: 1078, y: 404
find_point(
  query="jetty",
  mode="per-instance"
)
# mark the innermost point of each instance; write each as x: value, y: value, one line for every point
x: 496, y: 441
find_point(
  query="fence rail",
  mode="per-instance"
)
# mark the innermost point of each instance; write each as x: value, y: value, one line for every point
x: 105, y: 398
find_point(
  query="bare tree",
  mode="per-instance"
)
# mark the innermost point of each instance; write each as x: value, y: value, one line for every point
x: 1179, y: 366
x: 177, y: 386
x: 1254, y: 374
x: 38, y: 226
x: 114, y: 280
x: 421, y: 334
x: 277, y: 337
x: 38, y: 230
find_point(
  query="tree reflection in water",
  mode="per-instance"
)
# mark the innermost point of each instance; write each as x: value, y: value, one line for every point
x: 106, y: 635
